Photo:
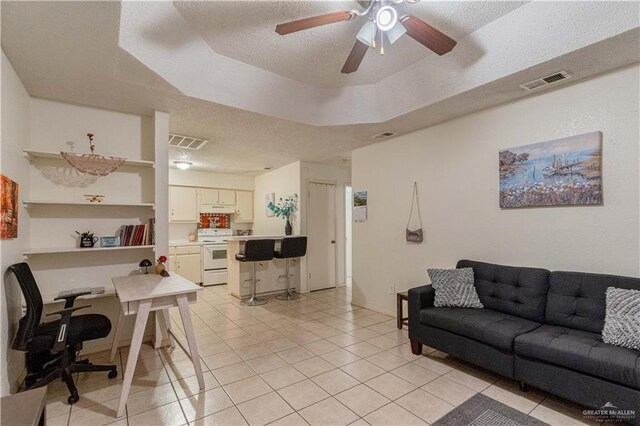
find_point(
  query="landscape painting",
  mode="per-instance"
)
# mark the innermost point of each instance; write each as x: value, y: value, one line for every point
x: 8, y: 208
x: 562, y: 172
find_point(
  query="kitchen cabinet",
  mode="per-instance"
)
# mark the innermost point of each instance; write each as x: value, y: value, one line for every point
x: 187, y: 262
x: 244, y: 206
x: 217, y: 197
x: 183, y: 204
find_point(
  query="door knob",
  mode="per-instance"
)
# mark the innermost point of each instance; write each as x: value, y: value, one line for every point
x: 333, y: 241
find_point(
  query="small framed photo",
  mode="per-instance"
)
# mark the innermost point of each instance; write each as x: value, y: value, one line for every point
x: 109, y: 241
x: 269, y: 198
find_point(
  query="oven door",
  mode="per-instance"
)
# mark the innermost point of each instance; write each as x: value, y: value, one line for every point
x: 215, y: 256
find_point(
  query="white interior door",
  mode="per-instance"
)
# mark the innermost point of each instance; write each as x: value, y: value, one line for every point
x: 321, y: 233
x: 348, y: 202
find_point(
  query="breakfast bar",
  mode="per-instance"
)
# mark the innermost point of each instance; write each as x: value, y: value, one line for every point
x: 269, y: 272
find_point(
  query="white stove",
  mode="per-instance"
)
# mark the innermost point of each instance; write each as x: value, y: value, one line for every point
x: 214, y: 243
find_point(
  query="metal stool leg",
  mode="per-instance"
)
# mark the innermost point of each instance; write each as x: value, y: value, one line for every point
x: 288, y: 293
x: 253, y: 301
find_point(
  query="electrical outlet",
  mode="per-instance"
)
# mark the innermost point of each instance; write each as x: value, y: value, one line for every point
x: 392, y: 289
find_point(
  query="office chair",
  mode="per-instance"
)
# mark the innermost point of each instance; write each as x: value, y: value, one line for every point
x: 51, y: 347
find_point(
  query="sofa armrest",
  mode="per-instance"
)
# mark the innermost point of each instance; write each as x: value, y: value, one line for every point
x: 419, y: 298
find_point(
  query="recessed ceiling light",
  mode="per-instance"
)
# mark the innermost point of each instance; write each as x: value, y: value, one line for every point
x: 183, y: 165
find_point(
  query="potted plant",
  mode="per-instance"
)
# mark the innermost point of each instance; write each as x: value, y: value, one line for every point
x: 285, y: 209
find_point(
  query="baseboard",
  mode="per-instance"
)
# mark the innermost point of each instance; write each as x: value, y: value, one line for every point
x: 374, y: 308
x: 122, y: 343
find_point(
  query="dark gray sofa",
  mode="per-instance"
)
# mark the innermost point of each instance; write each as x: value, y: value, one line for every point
x: 538, y: 327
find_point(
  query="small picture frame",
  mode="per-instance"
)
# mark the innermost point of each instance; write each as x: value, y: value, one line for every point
x: 109, y: 241
x: 269, y: 198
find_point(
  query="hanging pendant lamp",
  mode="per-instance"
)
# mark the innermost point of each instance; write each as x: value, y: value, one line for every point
x: 93, y: 164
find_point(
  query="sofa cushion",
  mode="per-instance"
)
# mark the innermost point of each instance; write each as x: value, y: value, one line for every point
x: 582, y: 351
x: 512, y: 290
x: 484, y: 325
x: 577, y: 300
x: 454, y: 288
x: 622, y: 320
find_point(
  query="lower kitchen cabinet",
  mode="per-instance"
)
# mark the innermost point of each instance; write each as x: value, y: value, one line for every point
x: 187, y: 261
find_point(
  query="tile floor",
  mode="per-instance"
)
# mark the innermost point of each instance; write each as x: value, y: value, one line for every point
x: 317, y: 360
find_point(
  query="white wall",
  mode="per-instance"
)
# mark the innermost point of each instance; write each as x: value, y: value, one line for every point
x: 210, y: 180
x: 283, y: 181
x: 15, y: 135
x: 456, y: 167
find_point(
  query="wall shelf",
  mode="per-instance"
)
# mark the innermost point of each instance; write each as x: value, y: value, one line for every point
x: 30, y: 154
x: 52, y: 250
x: 28, y: 203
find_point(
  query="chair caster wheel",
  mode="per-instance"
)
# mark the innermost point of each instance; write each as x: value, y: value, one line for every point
x: 113, y: 374
x: 73, y: 399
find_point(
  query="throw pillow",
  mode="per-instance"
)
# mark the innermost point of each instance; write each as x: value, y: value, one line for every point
x: 622, y: 318
x: 454, y: 288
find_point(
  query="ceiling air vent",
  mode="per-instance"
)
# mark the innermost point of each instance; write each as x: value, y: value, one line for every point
x: 545, y: 81
x: 383, y: 135
x: 186, y: 142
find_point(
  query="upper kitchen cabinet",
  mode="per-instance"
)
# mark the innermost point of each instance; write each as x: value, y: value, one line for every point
x: 244, y: 206
x: 217, y: 197
x: 183, y: 204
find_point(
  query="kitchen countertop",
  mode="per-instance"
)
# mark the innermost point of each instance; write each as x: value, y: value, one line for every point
x: 260, y: 237
x: 184, y: 243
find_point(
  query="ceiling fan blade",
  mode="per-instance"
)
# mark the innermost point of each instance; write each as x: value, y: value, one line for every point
x: 314, y: 21
x: 424, y: 33
x: 355, y: 57
x: 364, y: 3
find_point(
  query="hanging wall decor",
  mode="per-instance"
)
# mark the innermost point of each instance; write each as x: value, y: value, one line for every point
x: 93, y: 164
x: 269, y: 199
x: 8, y: 208
x: 360, y: 206
x: 415, y: 236
x: 562, y: 172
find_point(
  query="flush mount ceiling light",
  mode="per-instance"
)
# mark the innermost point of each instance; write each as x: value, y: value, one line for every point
x: 182, y: 165
x: 382, y: 18
x: 93, y: 164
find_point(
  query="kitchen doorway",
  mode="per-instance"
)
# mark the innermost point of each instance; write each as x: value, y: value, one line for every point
x: 348, y: 220
x: 321, y: 233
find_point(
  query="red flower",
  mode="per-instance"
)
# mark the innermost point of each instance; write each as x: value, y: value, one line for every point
x: 162, y: 259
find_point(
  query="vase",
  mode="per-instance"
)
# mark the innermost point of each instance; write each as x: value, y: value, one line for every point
x: 159, y: 268
x: 287, y: 228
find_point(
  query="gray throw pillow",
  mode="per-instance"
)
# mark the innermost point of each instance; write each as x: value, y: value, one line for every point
x: 622, y: 318
x: 454, y: 288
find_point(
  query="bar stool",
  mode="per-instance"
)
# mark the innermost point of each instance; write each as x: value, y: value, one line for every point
x: 289, y: 248
x: 255, y: 251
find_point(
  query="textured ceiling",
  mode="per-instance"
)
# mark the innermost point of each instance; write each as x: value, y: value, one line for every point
x: 68, y: 51
x: 245, y: 31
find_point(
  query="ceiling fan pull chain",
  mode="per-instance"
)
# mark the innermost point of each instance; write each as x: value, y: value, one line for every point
x: 381, y: 43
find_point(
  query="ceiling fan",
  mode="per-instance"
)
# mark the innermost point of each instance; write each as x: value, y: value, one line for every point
x: 382, y: 20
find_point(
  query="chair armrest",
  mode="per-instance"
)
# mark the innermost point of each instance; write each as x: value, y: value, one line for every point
x: 70, y: 299
x: 61, y: 335
x: 418, y: 299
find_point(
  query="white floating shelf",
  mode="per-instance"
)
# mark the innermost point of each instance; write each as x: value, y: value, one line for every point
x: 52, y: 250
x: 28, y: 203
x: 57, y: 156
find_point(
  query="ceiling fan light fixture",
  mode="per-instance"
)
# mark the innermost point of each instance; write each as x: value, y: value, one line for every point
x: 183, y: 165
x: 397, y: 31
x: 386, y: 18
x: 367, y: 33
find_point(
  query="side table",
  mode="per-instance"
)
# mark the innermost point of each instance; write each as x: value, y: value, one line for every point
x: 399, y: 298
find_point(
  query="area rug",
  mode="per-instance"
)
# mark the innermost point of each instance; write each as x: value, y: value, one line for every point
x: 481, y: 410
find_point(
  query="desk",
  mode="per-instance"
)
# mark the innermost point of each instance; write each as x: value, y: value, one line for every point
x: 142, y: 294
x: 25, y: 408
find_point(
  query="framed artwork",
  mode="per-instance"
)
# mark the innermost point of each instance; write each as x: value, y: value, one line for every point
x: 269, y: 198
x: 8, y: 208
x: 360, y: 206
x: 561, y: 172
